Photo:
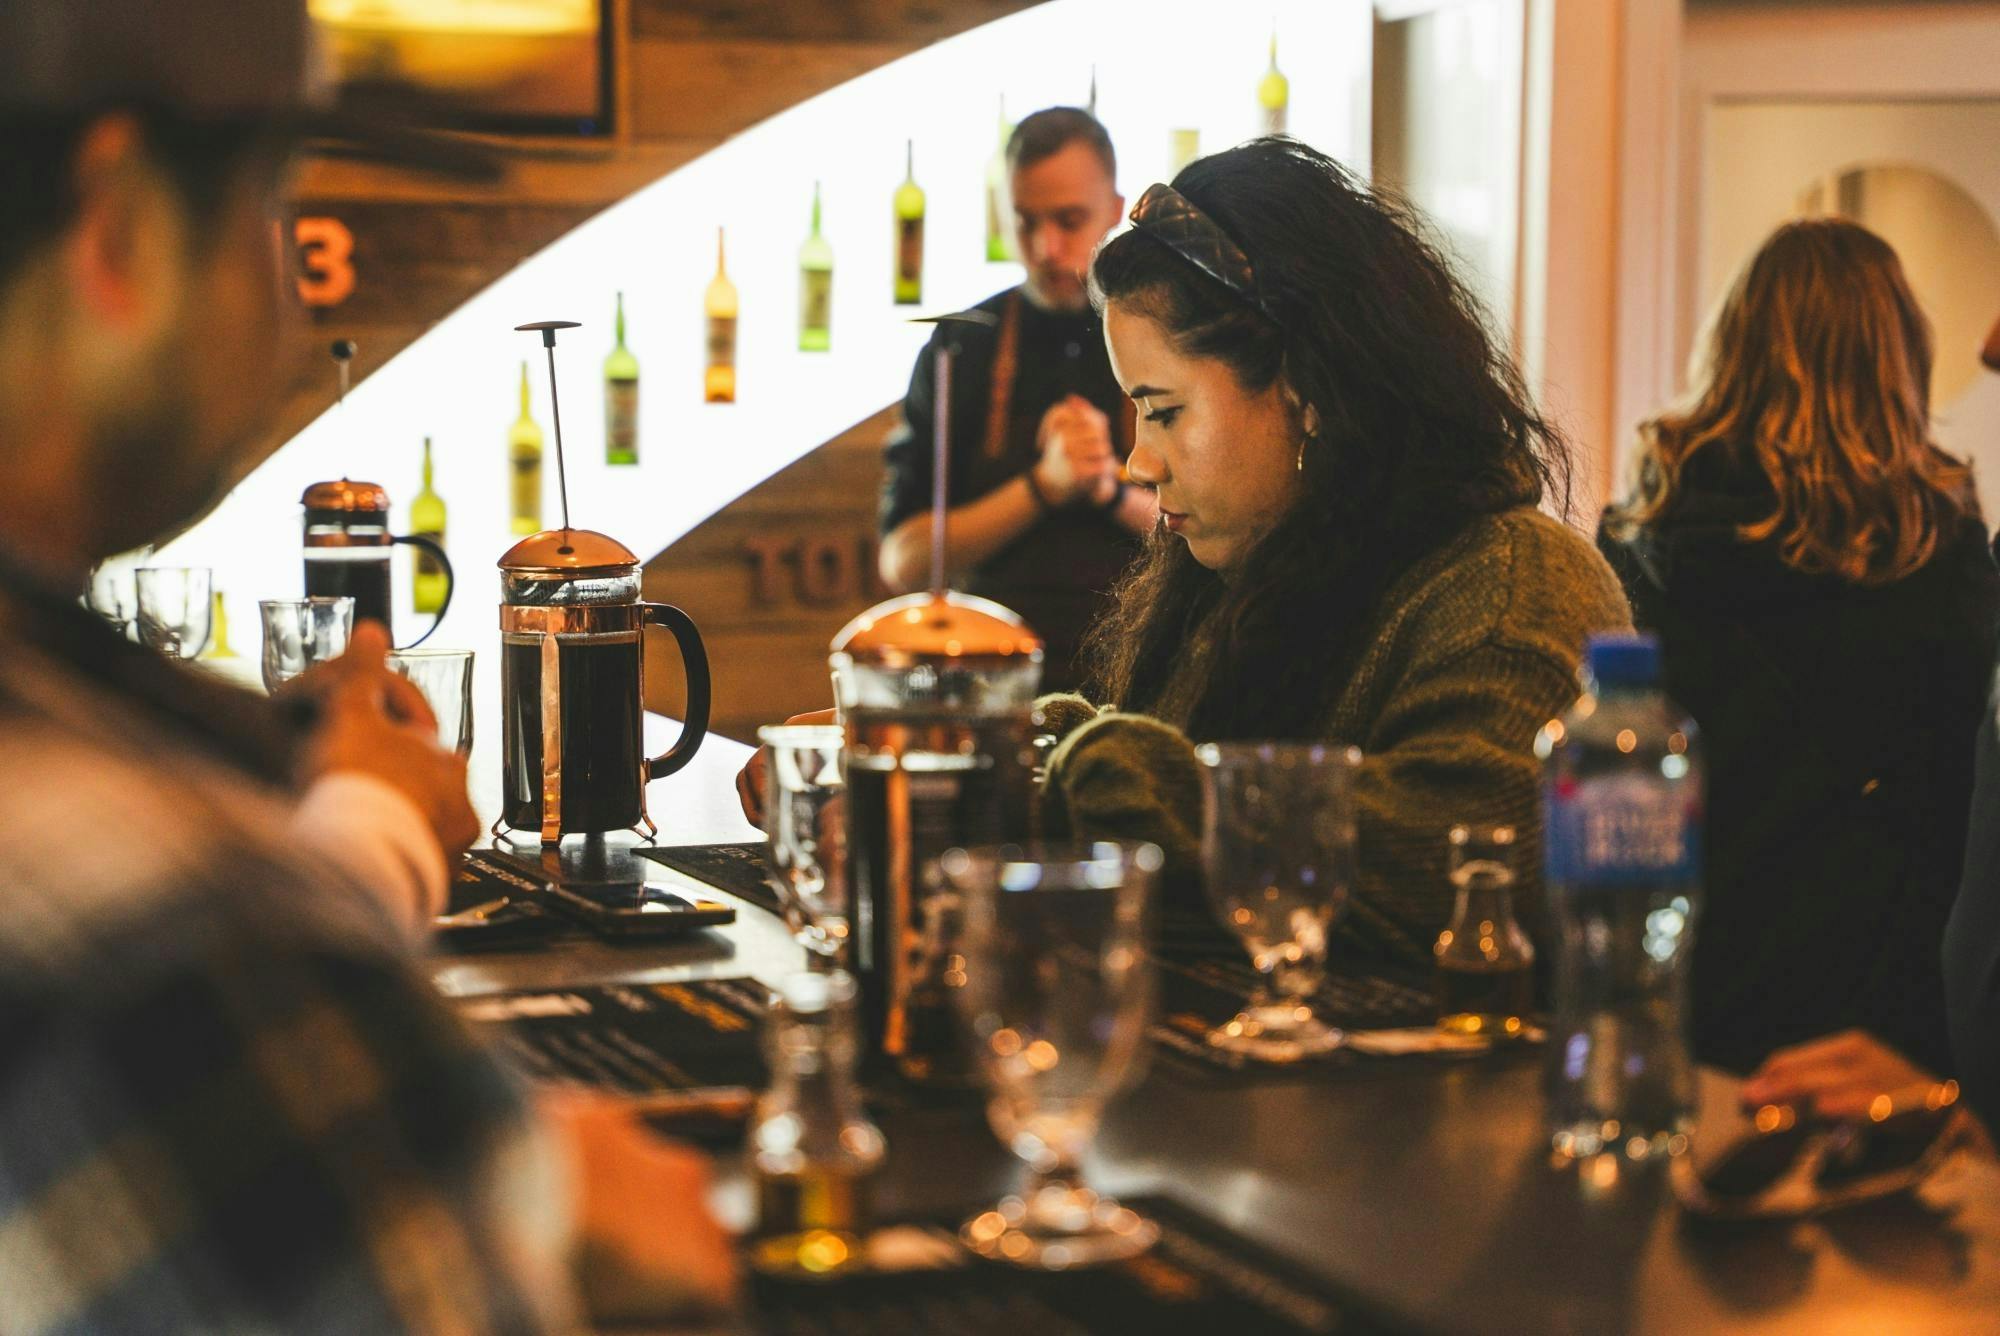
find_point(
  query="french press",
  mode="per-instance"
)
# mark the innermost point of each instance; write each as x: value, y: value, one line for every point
x: 573, y: 676
x: 347, y: 547
x: 347, y: 538
x: 937, y: 691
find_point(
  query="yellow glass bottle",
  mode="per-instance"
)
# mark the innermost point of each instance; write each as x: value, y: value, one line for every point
x: 524, y: 458
x: 621, y: 398
x: 720, y: 381
x: 909, y: 233
x: 218, y: 636
x: 1274, y: 94
x: 427, y: 582
x: 815, y: 288
x: 999, y: 203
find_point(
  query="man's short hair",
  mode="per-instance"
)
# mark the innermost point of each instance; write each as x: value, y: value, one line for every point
x: 1048, y: 132
x: 37, y: 162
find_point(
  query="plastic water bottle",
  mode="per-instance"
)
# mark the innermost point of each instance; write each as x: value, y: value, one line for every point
x: 1622, y: 814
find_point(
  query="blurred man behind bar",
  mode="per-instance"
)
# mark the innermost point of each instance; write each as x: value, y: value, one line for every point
x: 227, y: 1099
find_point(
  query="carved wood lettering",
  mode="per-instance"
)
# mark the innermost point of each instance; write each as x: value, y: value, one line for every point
x: 818, y: 572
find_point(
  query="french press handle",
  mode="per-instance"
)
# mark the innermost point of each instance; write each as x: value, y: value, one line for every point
x: 694, y: 663
x: 432, y: 546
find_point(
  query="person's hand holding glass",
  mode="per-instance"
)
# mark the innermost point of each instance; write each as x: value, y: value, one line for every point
x: 805, y: 810
x: 1278, y: 851
x: 1056, y: 995
x: 301, y: 632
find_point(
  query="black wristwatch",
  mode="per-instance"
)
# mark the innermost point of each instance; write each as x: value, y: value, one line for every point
x: 1042, y: 504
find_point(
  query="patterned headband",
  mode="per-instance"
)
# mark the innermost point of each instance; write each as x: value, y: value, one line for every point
x: 1170, y: 218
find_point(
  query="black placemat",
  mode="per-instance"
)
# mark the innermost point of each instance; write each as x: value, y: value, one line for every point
x: 525, y: 924
x: 669, y: 1046
x: 1200, y: 1278
x: 736, y: 868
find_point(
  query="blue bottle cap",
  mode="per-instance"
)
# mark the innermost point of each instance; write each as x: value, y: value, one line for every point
x: 1618, y: 661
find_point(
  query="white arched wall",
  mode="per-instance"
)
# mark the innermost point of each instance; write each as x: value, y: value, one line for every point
x: 1168, y: 63
x: 1161, y: 64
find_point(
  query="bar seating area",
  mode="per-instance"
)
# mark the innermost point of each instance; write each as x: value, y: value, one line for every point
x: 1316, y: 669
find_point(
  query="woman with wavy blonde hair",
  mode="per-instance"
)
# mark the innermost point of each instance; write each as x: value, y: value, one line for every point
x: 1818, y: 572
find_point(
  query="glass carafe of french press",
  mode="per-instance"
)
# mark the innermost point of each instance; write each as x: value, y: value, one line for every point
x: 937, y: 692
x: 572, y: 683
x: 347, y: 549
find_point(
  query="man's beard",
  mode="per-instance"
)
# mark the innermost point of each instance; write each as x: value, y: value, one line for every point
x: 153, y: 481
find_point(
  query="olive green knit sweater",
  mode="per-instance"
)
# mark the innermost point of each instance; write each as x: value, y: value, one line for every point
x: 1475, y: 647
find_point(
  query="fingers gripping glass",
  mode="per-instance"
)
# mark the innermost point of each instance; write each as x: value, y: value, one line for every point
x: 1170, y: 218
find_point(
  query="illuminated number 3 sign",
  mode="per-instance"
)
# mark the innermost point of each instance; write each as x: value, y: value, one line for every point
x: 326, y: 254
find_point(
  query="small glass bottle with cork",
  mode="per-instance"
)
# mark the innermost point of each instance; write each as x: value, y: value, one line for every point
x: 1485, y: 964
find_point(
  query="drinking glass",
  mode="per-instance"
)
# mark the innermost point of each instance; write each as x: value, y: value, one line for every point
x: 1278, y: 849
x: 300, y: 632
x: 1056, y: 992
x: 175, y: 611
x: 114, y: 593
x: 806, y: 834
x: 444, y: 676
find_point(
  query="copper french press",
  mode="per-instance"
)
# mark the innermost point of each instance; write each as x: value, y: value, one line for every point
x: 347, y: 538
x: 573, y: 675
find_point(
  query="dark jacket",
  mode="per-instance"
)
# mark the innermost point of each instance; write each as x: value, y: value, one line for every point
x: 1057, y: 573
x: 1837, y: 722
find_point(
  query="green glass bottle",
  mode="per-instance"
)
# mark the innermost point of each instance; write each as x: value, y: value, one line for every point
x: 999, y: 202
x: 427, y: 583
x: 1274, y: 94
x: 524, y: 459
x: 909, y: 233
x: 621, y: 399
x: 815, y: 288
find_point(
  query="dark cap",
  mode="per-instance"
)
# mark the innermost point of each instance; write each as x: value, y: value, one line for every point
x: 257, y: 60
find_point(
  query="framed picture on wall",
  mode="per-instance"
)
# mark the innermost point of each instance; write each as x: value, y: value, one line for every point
x: 540, y: 67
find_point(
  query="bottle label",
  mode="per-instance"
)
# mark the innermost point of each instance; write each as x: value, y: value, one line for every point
x: 1274, y: 119
x: 428, y: 565
x: 815, y: 299
x: 1622, y: 830
x: 528, y: 490
x: 722, y: 340
x: 999, y: 242
x: 621, y: 419
x: 910, y: 252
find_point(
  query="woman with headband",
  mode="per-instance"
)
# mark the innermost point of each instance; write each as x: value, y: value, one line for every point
x: 1351, y: 546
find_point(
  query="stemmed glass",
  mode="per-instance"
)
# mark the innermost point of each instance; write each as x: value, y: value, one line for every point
x: 1278, y: 849
x: 1056, y: 995
x: 300, y: 632
x: 805, y: 801
x: 175, y: 611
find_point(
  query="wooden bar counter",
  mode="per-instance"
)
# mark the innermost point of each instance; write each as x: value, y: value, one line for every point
x: 1420, y: 1188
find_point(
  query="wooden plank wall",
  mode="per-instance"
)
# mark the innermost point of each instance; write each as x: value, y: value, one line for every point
x: 770, y: 578
x: 690, y: 74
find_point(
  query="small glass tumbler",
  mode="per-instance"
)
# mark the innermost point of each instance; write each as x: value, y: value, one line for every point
x: 300, y: 632
x: 444, y: 676
x: 174, y: 609
x: 806, y: 832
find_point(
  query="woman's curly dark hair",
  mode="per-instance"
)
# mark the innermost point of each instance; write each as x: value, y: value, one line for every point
x: 1423, y: 425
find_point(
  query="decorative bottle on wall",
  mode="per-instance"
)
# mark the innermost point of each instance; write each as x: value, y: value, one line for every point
x: 909, y: 233
x: 815, y: 288
x: 524, y: 458
x: 720, y: 381
x: 999, y: 206
x: 427, y: 579
x: 1274, y: 93
x: 621, y: 398
x: 1183, y: 147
